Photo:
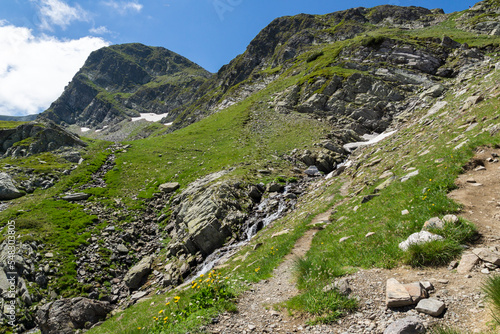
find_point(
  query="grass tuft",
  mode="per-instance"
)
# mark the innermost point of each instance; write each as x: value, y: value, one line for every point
x: 492, y: 289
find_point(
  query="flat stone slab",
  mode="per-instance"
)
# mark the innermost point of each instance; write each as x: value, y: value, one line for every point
x: 431, y: 306
x: 396, y: 294
x: 467, y: 262
x: 417, y: 291
x: 76, y: 197
x: 487, y: 255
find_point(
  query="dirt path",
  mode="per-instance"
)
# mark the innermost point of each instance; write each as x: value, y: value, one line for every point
x: 256, y: 313
x: 466, y: 309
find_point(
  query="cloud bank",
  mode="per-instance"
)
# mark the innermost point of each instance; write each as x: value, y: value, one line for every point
x: 35, y: 70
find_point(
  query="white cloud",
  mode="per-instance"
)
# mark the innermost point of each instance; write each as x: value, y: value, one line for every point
x: 59, y: 13
x: 35, y: 70
x: 123, y: 7
x: 99, y: 30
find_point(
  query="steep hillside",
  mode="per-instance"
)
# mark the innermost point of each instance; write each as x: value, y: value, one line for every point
x: 132, y: 230
x: 122, y: 81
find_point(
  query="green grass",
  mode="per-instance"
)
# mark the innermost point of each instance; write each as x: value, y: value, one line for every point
x: 325, y: 307
x: 10, y: 124
x: 492, y: 290
x: 424, y: 195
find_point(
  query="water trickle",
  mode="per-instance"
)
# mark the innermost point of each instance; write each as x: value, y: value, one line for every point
x: 267, y: 211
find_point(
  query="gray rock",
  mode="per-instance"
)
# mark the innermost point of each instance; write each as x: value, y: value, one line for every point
x: 312, y: 171
x: 8, y: 190
x: 409, y: 175
x: 434, y: 222
x: 275, y: 187
x: 450, y: 219
x: 419, y: 238
x: 206, y: 215
x: 169, y: 187
x: 408, y: 325
x: 431, y: 306
x: 122, y: 249
x: 135, y: 276
x: 385, y: 184
x: 64, y: 316
x: 434, y: 91
x: 76, y: 197
x: 343, y: 286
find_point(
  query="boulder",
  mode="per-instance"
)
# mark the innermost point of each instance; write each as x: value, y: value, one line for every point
x: 312, y: 171
x: 431, y: 306
x: 169, y: 187
x: 8, y: 190
x: 135, y: 276
x: 408, y: 325
x: 64, y: 316
x: 275, y: 187
x: 206, y: 214
x: 419, y: 238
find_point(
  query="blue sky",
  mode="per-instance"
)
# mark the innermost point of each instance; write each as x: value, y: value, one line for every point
x: 45, y: 42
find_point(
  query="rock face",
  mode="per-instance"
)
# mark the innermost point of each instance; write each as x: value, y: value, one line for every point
x: 8, y: 190
x: 64, y: 316
x: 91, y: 99
x: 213, y: 214
x: 36, y: 137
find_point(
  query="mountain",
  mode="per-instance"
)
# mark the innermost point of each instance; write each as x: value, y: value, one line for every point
x: 18, y: 118
x: 347, y: 129
x: 122, y: 81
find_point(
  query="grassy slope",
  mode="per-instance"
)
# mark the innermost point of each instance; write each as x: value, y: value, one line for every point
x: 424, y: 196
x: 246, y: 136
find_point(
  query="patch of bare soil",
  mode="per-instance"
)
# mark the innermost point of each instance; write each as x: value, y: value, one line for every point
x: 479, y: 193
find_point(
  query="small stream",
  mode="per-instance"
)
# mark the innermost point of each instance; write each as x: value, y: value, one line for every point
x: 266, y: 212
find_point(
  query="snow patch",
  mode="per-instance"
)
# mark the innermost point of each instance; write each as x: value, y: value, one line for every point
x: 150, y: 117
x: 85, y: 129
x: 371, y: 139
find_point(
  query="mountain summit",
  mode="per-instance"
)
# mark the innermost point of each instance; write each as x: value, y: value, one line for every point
x: 122, y: 81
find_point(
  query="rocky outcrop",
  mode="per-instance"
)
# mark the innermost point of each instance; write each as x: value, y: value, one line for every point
x: 35, y: 137
x: 212, y: 215
x: 64, y: 316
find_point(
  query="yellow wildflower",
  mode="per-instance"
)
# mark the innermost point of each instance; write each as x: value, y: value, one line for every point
x: 176, y: 299
x: 161, y: 311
